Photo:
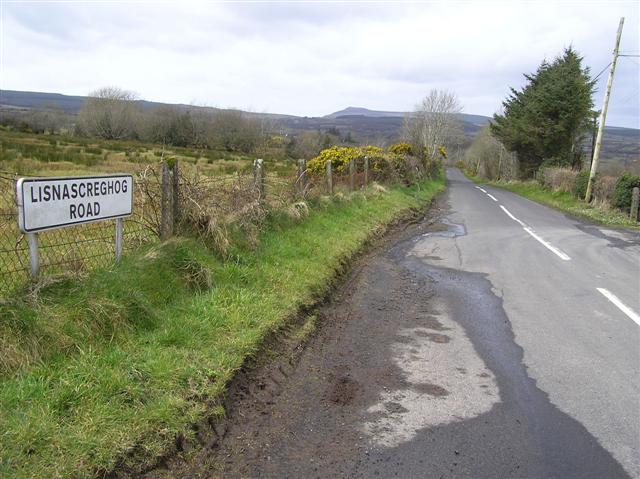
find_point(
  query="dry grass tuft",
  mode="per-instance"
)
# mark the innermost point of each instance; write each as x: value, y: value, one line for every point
x: 603, y: 191
x: 340, y: 197
x: 377, y: 188
x: 559, y: 179
x: 324, y: 201
x: 298, y: 211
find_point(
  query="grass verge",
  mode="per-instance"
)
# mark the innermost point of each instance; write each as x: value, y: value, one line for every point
x: 567, y: 203
x: 108, y: 369
x: 562, y: 201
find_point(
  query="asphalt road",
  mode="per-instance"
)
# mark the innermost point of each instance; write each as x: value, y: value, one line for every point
x: 581, y: 351
x: 483, y: 343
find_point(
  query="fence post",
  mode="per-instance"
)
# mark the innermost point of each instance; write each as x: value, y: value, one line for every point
x: 352, y: 174
x: 258, y: 177
x: 119, y: 231
x: 165, y: 203
x: 34, y: 257
x: 329, y: 178
x: 301, y: 182
x: 366, y: 171
x: 635, y: 203
x: 175, y: 196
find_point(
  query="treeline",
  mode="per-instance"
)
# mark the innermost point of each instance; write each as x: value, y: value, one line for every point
x: 115, y: 114
x: 112, y: 113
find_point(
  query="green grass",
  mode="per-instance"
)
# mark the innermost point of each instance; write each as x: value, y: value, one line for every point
x: 567, y: 203
x: 111, y: 368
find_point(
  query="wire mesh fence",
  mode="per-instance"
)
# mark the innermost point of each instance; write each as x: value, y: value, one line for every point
x: 77, y: 249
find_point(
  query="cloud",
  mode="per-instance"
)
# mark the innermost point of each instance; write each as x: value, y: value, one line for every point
x: 311, y: 58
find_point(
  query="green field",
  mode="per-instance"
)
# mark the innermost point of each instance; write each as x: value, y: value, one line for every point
x: 48, y: 155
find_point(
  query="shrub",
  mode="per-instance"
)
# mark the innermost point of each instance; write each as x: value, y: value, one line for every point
x: 621, y: 197
x: 402, y: 148
x: 340, y: 156
x: 603, y: 190
x: 579, y: 188
x: 385, y: 166
x: 558, y: 179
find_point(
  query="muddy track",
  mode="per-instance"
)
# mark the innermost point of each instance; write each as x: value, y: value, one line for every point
x: 257, y: 386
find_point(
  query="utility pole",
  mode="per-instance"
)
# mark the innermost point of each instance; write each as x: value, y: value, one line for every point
x: 603, y: 115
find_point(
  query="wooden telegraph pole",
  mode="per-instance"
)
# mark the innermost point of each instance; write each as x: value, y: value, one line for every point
x: 603, y: 115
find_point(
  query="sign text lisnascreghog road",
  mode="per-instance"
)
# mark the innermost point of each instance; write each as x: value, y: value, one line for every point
x: 46, y: 203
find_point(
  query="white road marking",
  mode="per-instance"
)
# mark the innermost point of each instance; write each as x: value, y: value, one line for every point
x: 512, y: 217
x: 621, y: 306
x: 492, y: 197
x: 481, y: 189
x: 547, y: 245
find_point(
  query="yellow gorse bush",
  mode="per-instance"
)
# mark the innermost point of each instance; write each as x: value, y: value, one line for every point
x: 340, y: 156
x: 402, y: 148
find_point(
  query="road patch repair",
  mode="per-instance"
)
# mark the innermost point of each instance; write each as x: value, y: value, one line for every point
x: 412, y: 371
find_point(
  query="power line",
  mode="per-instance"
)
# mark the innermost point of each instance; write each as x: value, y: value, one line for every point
x: 603, y: 70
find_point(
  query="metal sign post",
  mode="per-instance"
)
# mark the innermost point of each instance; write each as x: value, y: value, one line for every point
x: 119, y: 231
x: 34, y: 256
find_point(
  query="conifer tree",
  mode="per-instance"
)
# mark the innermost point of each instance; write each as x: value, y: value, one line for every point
x: 546, y: 121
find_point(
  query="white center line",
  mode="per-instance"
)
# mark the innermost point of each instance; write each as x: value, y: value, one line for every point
x: 481, y: 189
x: 492, y: 197
x: 511, y: 216
x: 547, y: 245
x: 621, y: 306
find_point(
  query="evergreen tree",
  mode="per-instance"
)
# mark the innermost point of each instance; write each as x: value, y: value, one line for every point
x: 546, y: 120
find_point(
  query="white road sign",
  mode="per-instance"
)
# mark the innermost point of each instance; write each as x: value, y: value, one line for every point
x: 47, y: 203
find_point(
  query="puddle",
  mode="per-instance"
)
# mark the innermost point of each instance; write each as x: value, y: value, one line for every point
x: 446, y: 229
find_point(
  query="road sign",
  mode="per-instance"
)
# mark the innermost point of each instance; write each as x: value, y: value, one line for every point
x: 48, y: 203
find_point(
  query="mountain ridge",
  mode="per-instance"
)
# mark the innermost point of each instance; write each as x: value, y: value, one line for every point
x: 73, y: 103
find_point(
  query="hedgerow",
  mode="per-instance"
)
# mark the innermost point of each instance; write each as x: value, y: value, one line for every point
x: 621, y: 197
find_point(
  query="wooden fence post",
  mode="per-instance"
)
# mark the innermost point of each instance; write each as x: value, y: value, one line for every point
x: 175, y: 196
x: 352, y: 174
x: 301, y: 182
x: 258, y: 177
x: 366, y: 171
x: 635, y: 203
x: 329, y: 178
x: 166, y: 223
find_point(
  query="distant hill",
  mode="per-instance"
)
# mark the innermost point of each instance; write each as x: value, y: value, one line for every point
x: 357, y: 111
x: 72, y: 104
x: 621, y: 145
x: 478, y: 120
x: 472, y: 123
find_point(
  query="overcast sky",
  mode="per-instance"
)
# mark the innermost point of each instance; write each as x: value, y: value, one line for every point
x: 313, y: 58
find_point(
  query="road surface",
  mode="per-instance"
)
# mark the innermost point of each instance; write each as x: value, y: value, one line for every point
x: 501, y: 340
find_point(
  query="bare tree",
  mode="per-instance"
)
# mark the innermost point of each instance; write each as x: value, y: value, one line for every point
x: 489, y: 159
x: 233, y: 130
x: 433, y: 123
x: 109, y: 113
